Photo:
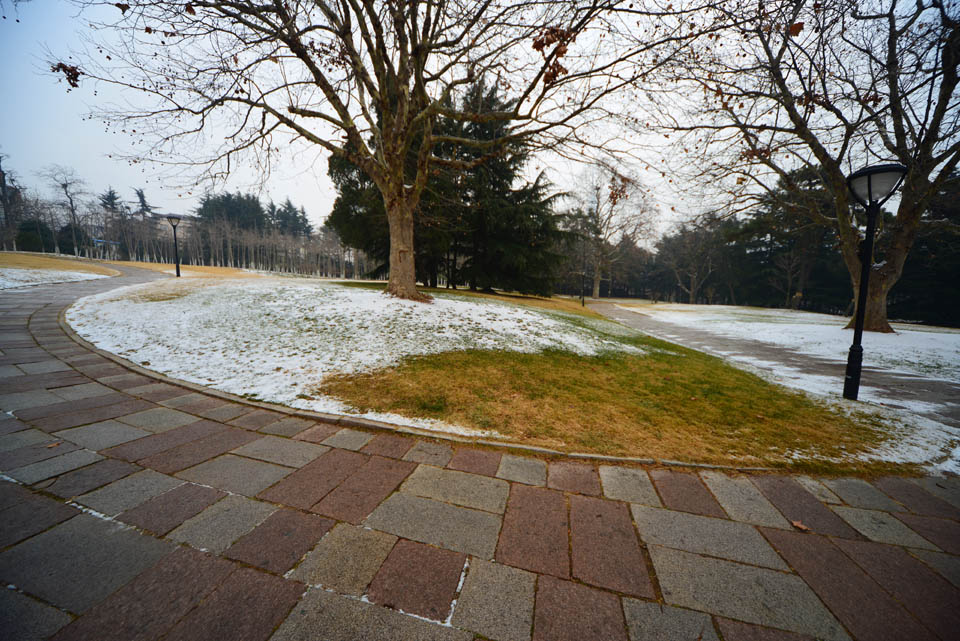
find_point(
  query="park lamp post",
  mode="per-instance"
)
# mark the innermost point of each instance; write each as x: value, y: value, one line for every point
x: 871, y: 187
x: 174, y: 220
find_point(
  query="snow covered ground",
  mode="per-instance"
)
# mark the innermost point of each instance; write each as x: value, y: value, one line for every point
x: 11, y: 277
x: 275, y: 339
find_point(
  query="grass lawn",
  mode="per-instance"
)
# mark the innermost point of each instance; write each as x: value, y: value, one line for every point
x: 61, y: 263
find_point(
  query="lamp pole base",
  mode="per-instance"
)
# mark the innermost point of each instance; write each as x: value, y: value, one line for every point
x: 851, y: 382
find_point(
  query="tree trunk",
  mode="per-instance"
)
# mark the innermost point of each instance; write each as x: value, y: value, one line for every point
x: 403, y: 275
x: 875, y: 311
x: 596, y: 280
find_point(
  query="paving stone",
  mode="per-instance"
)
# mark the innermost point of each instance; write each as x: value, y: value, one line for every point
x: 78, y: 563
x: 93, y: 415
x: 8, y: 371
x: 459, y: 488
x: 220, y: 525
x: 147, y: 607
x: 454, y: 528
x: 737, y: 631
x: 223, y: 412
x: 418, y: 579
x: 346, y: 559
x: 474, y: 461
x: 388, y: 445
x: 522, y: 469
x: 925, y: 594
x: 257, y: 419
x: 741, y: 499
x: 70, y: 407
x: 190, y: 454
x: 318, y: 433
x: 165, y: 512
x: 797, y: 504
x: 248, y: 605
x: 941, y: 488
x: 100, y: 436
x: 32, y: 516
x: 684, y: 492
x: 941, y: 532
x: 24, y: 438
x: 159, y: 419
x: 916, y: 498
x: 236, y: 474
x: 12, y: 494
x: 128, y: 492
x: 280, y: 541
x: 754, y: 595
x: 569, y: 611
x: 84, y: 390
x: 534, y: 534
x: 193, y: 402
x: 882, y: 527
x: 616, y: 564
x: 11, y: 425
x: 305, y: 487
x: 125, y: 381
x: 90, y: 478
x: 573, y: 477
x: 289, y: 426
x: 355, y: 498
x: 655, y: 622
x: 45, y: 367
x: 328, y: 616
x: 157, y: 443
x: 628, y: 484
x: 26, y: 619
x: 34, y: 453
x: 859, y: 493
x: 23, y: 400
x: 496, y: 601
x: 41, y: 382
x: 947, y: 565
x: 430, y: 453
x: 348, y: 439
x: 41, y: 470
x: 281, y: 451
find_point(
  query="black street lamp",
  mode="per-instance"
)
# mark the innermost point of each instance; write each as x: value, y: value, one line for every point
x: 174, y: 220
x: 871, y: 187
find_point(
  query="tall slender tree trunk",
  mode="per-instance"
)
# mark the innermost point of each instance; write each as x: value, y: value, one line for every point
x: 403, y: 276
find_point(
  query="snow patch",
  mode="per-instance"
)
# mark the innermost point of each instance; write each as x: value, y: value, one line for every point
x: 14, y: 277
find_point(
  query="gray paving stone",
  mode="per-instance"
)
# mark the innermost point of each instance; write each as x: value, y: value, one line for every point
x: 522, y: 469
x: 290, y: 426
x: 882, y: 527
x: 628, y: 484
x: 217, y: 527
x: 742, y: 500
x: 82, y: 391
x: 346, y: 559
x: 946, y: 564
x: 26, y: 619
x: 128, y: 492
x: 45, y: 367
x: 459, y: 488
x: 8, y: 371
x: 282, y: 451
x: 496, y: 601
x: 944, y: 488
x: 427, y: 521
x: 236, y: 474
x: 429, y: 453
x: 755, y: 595
x: 41, y: 470
x: 347, y: 439
x: 654, y: 622
x: 819, y: 490
x: 80, y: 562
x: 859, y: 493
x: 159, y: 419
x: 705, y: 535
x: 100, y: 436
x: 331, y: 617
x: 23, y: 400
x: 23, y: 438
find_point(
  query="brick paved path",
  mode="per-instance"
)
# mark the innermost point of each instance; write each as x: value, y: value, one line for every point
x: 133, y: 509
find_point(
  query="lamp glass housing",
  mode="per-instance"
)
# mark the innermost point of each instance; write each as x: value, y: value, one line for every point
x: 173, y: 219
x: 875, y: 184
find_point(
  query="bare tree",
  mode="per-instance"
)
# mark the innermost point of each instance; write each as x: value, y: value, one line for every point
x: 72, y: 189
x: 831, y: 85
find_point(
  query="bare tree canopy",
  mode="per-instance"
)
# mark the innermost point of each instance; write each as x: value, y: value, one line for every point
x: 830, y: 85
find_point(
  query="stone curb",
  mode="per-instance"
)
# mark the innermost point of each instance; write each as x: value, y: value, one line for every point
x: 381, y: 426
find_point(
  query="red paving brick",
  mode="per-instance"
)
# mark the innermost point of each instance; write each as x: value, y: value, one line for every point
x: 257, y: 419
x: 916, y: 498
x: 737, y: 631
x: 305, y: 487
x: 574, y: 477
x: 279, y: 542
x: 94, y: 415
x: 157, y: 443
x: 200, y: 405
x: 797, y: 504
x: 853, y: 597
x: 534, y: 532
x: 418, y: 579
x: 165, y: 512
x: 248, y: 605
x: 567, y: 611
x: 684, y: 492
x: 942, y: 533
x: 66, y: 407
x: 319, y: 433
x: 31, y: 515
x: 12, y: 384
x: 605, y: 549
x: 474, y: 461
x: 21, y: 456
x: 382, y: 445
x: 363, y: 491
x: 190, y: 454
x: 151, y: 604
x: 922, y: 591
x: 162, y: 392
x: 126, y: 381
x: 90, y: 478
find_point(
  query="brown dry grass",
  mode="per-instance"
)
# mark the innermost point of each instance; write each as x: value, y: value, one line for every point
x: 26, y: 260
x: 189, y: 271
